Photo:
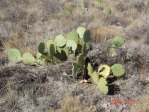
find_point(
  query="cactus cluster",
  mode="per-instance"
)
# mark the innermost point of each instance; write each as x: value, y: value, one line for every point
x: 100, y: 76
x: 14, y: 55
x: 75, y: 44
x: 114, y: 44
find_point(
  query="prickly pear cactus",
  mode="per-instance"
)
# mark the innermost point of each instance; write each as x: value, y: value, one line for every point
x: 49, y: 42
x: 14, y: 55
x: 41, y: 61
x: 71, y: 44
x: 86, y: 47
x: 117, y: 70
x: 73, y: 36
x: 117, y: 41
x: 28, y: 58
x: 87, y: 37
x: 81, y: 31
x: 95, y: 77
x: 89, y: 69
x: 38, y: 55
x: 102, y: 85
x: 81, y: 60
x: 104, y: 70
x: 41, y: 48
x: 60, y: 41
x: 75, y: 69
x: 52, y: 50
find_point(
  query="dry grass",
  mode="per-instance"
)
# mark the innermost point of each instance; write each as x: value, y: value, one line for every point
x: 142, y: 104
x: 73, y: 104
x: 35, y: 21
x: 100, y: 34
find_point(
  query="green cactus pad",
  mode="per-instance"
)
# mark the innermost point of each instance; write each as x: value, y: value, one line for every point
x: 75, y: 69
x: 117, y: 41
x: 73, y: 36
x: 95, y: 77
x: 66, y: 50
x: 41, y: 61
x: 117, y: 70
x: 71, y: 44
x: 89, y: 69
x: 86, y: 47
x: 41, y: 48
x: 38, y: 55
x: 102, y: 85
x: 81, y: 31
x: 52, y: 50
x: 28, y: 58
x: 104, y: 70
x: 87, y: 37
x: 49, y: 42
x: 14, y: 55
x: 58, y: 57
x: 60, y: 41
x: 81, y: 60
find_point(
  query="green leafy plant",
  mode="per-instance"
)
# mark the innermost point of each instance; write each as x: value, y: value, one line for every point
x: 14, y: 55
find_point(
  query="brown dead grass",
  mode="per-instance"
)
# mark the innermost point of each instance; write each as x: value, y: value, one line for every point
x: 142, y: 105
x: 73, y: 104
x: 100, y: 34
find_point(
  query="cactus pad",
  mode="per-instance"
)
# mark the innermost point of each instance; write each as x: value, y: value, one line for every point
x: 49, y: 42
x: 28, y: 58
x: 73, y: 36
x: 95, y: 77
x: 102, y: 85
x: 87, y: 36
x: 14, y: 55
x: 52, y: 50
x: 71, y: 44
x: 117, y: 41
x: 104, y: 70
x: 41, y: 61
x: 117, y: 70
x: 38, y: 55
x: 81, y: 31
x: 41, y: 48
x: 89, y: 69
x: 60, y: 41
x: 75, y: 69
x: 81, y: 60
